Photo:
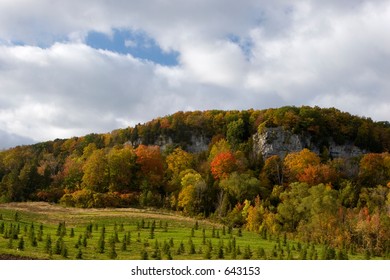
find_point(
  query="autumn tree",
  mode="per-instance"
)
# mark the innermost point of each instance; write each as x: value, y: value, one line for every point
x: 72, y: 173
x: 296, y: 163
x: 96, y: 176
x: 321, y: 206
x: 254, y: 215
x: 177, y: 162
x: 191, y: 194
x: 122, y: 167
x: 317, y: 174
x: 374, y: 169
x: 272, y: 172
x: 241, y: 186
x: 290, y: 212
x: 151, y: 165
x: 221, y: 146
x: 223, y: 164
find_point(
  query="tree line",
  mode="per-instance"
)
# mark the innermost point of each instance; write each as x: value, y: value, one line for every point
x: 343, y: 203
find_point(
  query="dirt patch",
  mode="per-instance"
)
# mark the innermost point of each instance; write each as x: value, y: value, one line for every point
x: 55, y: 213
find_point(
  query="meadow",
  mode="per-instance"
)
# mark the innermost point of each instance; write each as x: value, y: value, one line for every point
x: 44, y: 231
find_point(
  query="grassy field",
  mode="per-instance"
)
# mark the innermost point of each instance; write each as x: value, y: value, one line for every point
x: 44, y: 231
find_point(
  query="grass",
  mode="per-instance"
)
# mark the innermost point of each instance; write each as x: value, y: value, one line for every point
x: 131, y: 234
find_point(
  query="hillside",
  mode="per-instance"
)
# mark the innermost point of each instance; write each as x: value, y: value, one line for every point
x: 288, y: 170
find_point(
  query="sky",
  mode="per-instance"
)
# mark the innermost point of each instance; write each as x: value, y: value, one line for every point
x: 69, y: 68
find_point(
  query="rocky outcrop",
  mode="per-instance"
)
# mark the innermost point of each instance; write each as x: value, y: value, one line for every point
x: 197, y: 143
x: 280, y: 142
x: 268, y: 142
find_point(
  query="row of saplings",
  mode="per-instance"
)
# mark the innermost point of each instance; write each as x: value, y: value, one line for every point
x: 19, y: 235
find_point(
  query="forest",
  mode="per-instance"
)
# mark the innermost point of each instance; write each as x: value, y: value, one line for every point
x: 342, y: 203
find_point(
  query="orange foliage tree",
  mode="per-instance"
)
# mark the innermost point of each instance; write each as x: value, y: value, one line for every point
x: 223, y: 164
x: 296, y: 163
x: 317, y: 174
x: 374, y: 169
x: 151, y: 165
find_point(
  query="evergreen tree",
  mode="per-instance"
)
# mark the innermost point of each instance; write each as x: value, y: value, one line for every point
x: 101, y: 244
x: 230, y: 230
x: 16, y: 217
x: 85, y: 242
x: 33, y: 238
x: 247, y: 253
x: 40, y: 233
x: 166, y: 227
x: 181, y: 248
x: 221, y: 254
x: 138, y: 237
x: 79, y: 255
x: 21, y: 244
x: 191, y: 246
x: 58, y: 246
x: 128, y: 238
x: 64, y: 251
x: 169, y: 255
x: 151, y: 233
x: 261, y: 253
x: 144, y: 255
x: 208, y: 253
x: 112, y: 252
x: 124, y: 243
x: 10, y: 243
x: 48, y: 244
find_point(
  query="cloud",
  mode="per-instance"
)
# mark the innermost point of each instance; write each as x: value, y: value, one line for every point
x: 131, y: 43
x: 228, y: 55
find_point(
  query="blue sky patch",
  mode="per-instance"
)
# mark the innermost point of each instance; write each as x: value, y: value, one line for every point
x: 138, y: 44
x: 245, y: 44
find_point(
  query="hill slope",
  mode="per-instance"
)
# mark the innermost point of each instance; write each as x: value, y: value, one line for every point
x: 320, y: 175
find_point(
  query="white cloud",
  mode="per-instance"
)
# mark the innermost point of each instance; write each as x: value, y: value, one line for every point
x: 327, y: 53
x: 130, y: 43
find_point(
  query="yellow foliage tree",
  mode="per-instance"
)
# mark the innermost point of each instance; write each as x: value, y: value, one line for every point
x: 296, y: 163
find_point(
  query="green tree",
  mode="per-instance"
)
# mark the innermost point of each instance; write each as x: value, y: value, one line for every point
x: 290, y: 211
x: 21, y: 244
x: 241, y: 186
x: 235, y: 132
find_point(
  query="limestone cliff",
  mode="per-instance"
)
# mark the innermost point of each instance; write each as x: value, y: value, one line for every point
x: 280, y: 142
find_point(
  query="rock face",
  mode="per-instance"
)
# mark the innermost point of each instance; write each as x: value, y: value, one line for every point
x: 269, y: 142
x: 197, y: 144
x: 280, y: 142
